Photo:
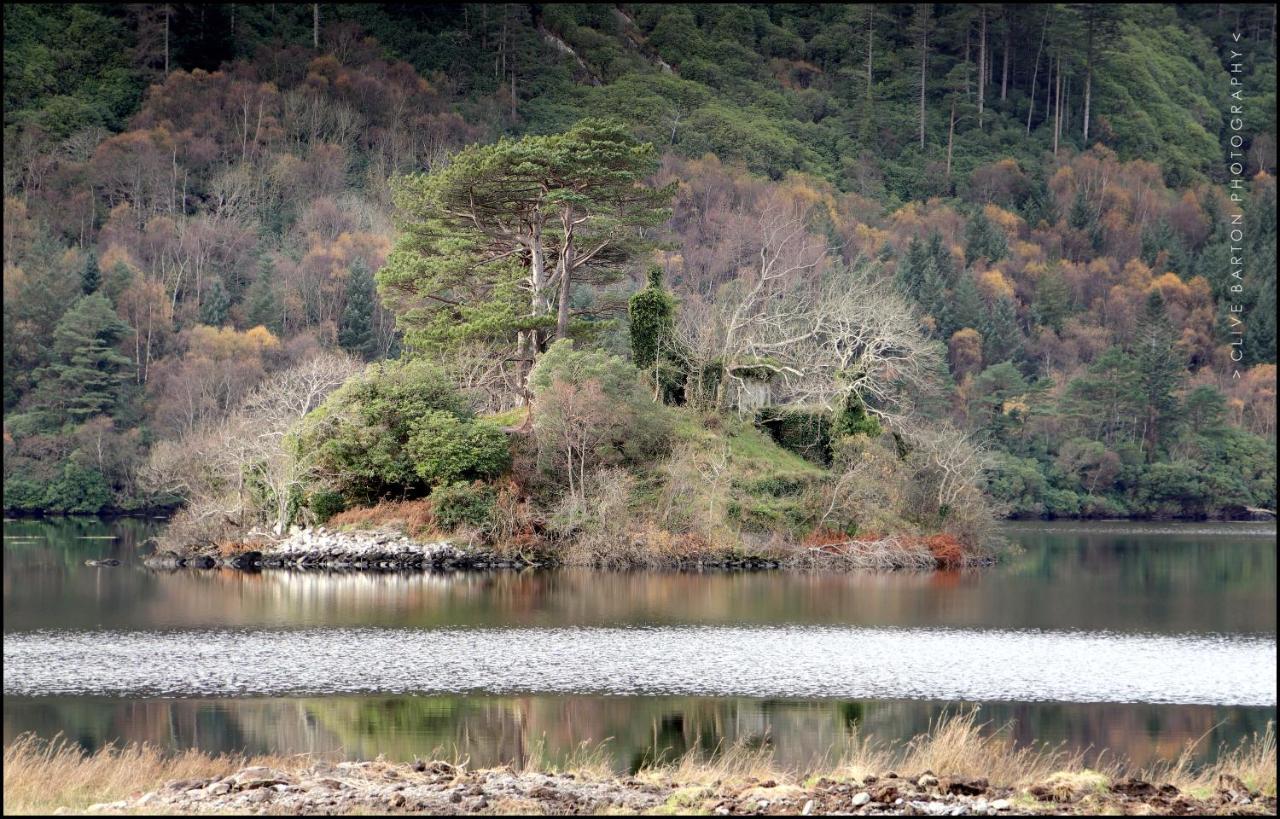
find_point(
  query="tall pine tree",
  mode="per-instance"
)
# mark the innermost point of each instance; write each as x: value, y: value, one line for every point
x: 355, y: 333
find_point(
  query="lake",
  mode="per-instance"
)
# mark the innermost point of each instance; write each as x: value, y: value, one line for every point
x: 1136, y: 637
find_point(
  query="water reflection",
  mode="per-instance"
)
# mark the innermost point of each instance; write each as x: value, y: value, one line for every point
x: 1125, y: 577
x: 516, y: 730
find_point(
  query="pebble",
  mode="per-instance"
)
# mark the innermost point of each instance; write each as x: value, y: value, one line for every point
x: 1001, y: 804
x: 861, y: 799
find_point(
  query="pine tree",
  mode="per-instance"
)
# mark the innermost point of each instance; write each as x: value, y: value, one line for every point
x: 941, y: 256
x: 91, y: 276
x: 1001, y: 340
x: 1160, y: 370
x: 261, y: 300
x: 215, y: 305
x: 911, y: 270
x: 87, y: 371
x: 355, y: 332
x: 966, y: 304
x: 983, y: 240
x: 1053, y: 299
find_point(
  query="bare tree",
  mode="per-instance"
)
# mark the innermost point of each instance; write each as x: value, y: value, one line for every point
x: 817, y: 331
x: 211, y: 468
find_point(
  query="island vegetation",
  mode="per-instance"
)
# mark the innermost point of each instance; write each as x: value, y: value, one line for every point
x: 621, y: 285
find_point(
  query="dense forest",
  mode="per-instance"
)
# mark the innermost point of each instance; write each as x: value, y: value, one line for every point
x: 884, y: 246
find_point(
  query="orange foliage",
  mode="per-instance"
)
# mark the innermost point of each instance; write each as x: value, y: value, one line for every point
x: 414, y: 516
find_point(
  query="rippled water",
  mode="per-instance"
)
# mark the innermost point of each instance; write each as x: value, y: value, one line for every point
x: 755, y: 662
x: 1133, y: 637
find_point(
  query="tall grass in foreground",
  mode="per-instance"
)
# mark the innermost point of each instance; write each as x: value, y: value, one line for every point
x: 960, y: 745
x: 41, y: 775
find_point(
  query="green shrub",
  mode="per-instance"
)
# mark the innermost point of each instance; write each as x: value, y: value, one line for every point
x: 22, y: 495
x: 462, y: 504
x: 397, y: 430
x: 78, y: 490
x: 806, y: 432
x: 324, y: 504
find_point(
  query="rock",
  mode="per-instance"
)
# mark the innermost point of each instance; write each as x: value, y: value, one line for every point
x: 110, y: 561
x: 1001, y: 804
x: 202, y: 562
x: 861, y: 799
x: 258, y: 777
x: 217, y: 788
x: 885, y: 794
x: 246, y: 560
x: 966, y: 787
x: 1134, y: 788
x: 164, y: 560
x: 807, y: 809
x: 927, y: 780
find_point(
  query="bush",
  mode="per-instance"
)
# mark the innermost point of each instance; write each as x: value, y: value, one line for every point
x: 590, y: 410
x: 398, y: 429
x: 806, y: 432
x: 22, y: 495
x: 78, y: 490
x: 462, y: 504
x: 325, y: 504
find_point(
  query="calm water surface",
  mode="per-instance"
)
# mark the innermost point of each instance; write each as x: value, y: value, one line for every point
x: 1135, y: 637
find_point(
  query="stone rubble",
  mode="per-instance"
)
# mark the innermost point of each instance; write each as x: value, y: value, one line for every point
x: 443, y: 789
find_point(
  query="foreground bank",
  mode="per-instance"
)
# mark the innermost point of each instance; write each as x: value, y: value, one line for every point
x: 957, y: 769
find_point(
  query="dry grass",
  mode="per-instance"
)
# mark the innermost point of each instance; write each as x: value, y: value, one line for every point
x: 414, y: 516
x: 41, y: 775
x: 1253, y: 761
x: 959, y: 745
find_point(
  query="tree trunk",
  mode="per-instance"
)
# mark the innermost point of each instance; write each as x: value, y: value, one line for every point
x: 871, y: 10
x: 1057, y: 107
x: 1004, y: 64
x: 167, y: 9
x: 968, y: 32
x: 982, y: 62
x: 1088, y: 89
x: 315, y: 26
x: 566, y: 283
x: 1035, y: 74
x: 924, y: 61
x: 951, y: 134
x: 538, y: 274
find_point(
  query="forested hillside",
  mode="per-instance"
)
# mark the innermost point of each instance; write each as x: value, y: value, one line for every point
x: 215, y: 214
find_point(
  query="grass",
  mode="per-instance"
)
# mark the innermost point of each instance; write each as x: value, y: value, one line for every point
x: 41, y: 776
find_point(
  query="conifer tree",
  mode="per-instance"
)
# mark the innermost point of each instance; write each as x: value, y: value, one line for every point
x: 355, y: 333
x: 91, y: 276
x: 215, y: 305
x: 87, y: 371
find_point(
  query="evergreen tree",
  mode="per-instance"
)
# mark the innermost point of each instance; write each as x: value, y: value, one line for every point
x: 966, y: 304
x: 941, y: 256
x: 91, y: 276
x: 1053, y: 299
x: 263, y: 305
x: 652, y: 312
x: 355, y: 333
x: 1160, y: 371
x: 910, y: 272
x: 86, y: 374
x: 983, y: 240
x: 1001, y: 340
x: 215, y: 305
